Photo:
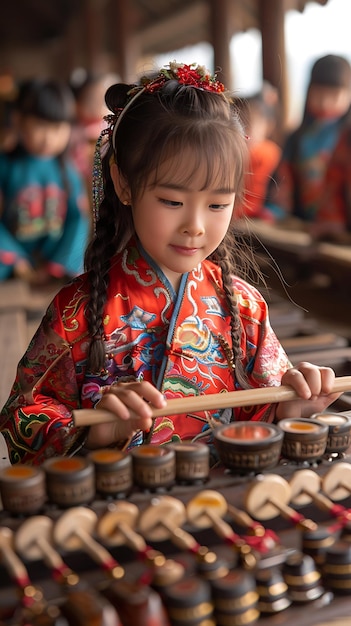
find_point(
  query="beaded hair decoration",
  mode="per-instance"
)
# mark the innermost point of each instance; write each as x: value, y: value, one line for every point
x: 192, y: 75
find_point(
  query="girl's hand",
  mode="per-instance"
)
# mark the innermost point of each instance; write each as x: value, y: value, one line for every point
x: 130, y: 403
x: 313, y: 384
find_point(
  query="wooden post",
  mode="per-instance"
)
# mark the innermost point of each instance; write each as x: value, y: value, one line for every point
x: 271, y: 15
x: 93, y: 19
x: 221, y: 36
x: 126, y: 48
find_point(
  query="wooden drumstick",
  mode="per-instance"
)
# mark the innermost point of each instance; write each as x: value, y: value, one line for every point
x: 31, y: 597
x: 11, y: 560
x: 206, y: 510
x: 33, y: 540
x: 253, y: 527
x: 268, y: 497
x: 336, y: 483
x: 163, y: 520
x: 116, y: 527
x: 241, y: 398
x: 305, y: 488
x: 74, y: 530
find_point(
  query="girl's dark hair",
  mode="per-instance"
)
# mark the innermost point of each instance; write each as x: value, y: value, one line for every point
x: 46, y: 99
x: 157, y: 126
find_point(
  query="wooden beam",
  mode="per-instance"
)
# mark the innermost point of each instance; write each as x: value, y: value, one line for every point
x: 190, y: 24
x: 126, y: 46
x: 221, y: 36
x: 271, y: 15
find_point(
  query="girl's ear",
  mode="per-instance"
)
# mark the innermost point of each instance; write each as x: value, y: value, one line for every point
x: 120, y: 184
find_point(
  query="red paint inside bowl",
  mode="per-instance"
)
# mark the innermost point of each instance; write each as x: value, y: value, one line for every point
x: 246, y: 432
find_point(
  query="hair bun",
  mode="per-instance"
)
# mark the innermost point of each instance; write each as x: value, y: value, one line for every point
x: 116, y: 96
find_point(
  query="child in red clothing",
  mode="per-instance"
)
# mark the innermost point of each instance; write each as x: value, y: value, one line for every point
x: 298, y: 182
x: 333, y: 216
x: 264, y: 153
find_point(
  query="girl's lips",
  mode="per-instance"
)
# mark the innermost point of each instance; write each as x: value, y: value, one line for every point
x: 185, y: 251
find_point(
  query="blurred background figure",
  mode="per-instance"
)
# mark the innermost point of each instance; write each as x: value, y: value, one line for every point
x: 259, y: 115
x: 89, y: 90
x: 8, y: 95
x: 333, y: 216
x: 44, y: 220
x: 297, y: 184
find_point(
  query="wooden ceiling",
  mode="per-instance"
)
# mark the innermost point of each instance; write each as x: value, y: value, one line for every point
x: 162, y: 25
x: 34, y: 22
x: 172, y: 24
x: 54, y: 37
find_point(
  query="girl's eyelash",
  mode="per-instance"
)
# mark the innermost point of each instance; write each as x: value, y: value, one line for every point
x: 177, y: 203
x: 170, y: 202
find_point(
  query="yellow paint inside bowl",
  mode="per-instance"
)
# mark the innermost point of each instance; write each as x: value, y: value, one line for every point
x: 19, y: 471
x: 106, y: 456
x: 300, y: 427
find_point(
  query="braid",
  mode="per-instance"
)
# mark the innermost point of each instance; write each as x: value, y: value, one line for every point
x: 235, y: 257
x: 113, y: 229
x: 223, y: 259
x: 98, y: 261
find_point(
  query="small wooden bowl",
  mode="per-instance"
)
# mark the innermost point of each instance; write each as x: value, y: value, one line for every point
x: 154, y: 467
x: 22, y: 489
x: 192, y: 461
x: 304, y: 439
x: 248, y: 446
x: 339, y: 433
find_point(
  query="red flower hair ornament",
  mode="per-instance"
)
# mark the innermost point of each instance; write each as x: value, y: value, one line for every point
x: 193, y: 75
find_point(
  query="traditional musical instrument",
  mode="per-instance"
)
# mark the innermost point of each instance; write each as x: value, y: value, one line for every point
x: 224, y: 547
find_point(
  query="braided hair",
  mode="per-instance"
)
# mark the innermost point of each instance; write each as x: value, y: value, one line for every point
x: 157, y: 126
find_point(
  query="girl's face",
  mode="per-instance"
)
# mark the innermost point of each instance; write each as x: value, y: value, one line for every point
x: 180, y: 223
x: 43, y: 138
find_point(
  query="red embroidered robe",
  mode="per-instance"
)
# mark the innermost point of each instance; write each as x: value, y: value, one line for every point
x: 178, y: 341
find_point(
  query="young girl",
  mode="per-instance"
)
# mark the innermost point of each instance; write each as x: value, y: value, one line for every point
x: 161, y: 311
x: 44, y: 207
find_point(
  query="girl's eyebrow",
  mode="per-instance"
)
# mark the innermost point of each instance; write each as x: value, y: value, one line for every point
x: 179, y: 187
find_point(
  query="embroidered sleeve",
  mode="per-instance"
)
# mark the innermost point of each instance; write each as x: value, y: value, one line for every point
x: 36, y: 420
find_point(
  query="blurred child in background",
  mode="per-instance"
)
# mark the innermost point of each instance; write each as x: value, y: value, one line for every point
x: 89, y: 95
x: 259, y: 118
x: 333, y: 217
x: 44, y: 207
x: 298, y: 181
